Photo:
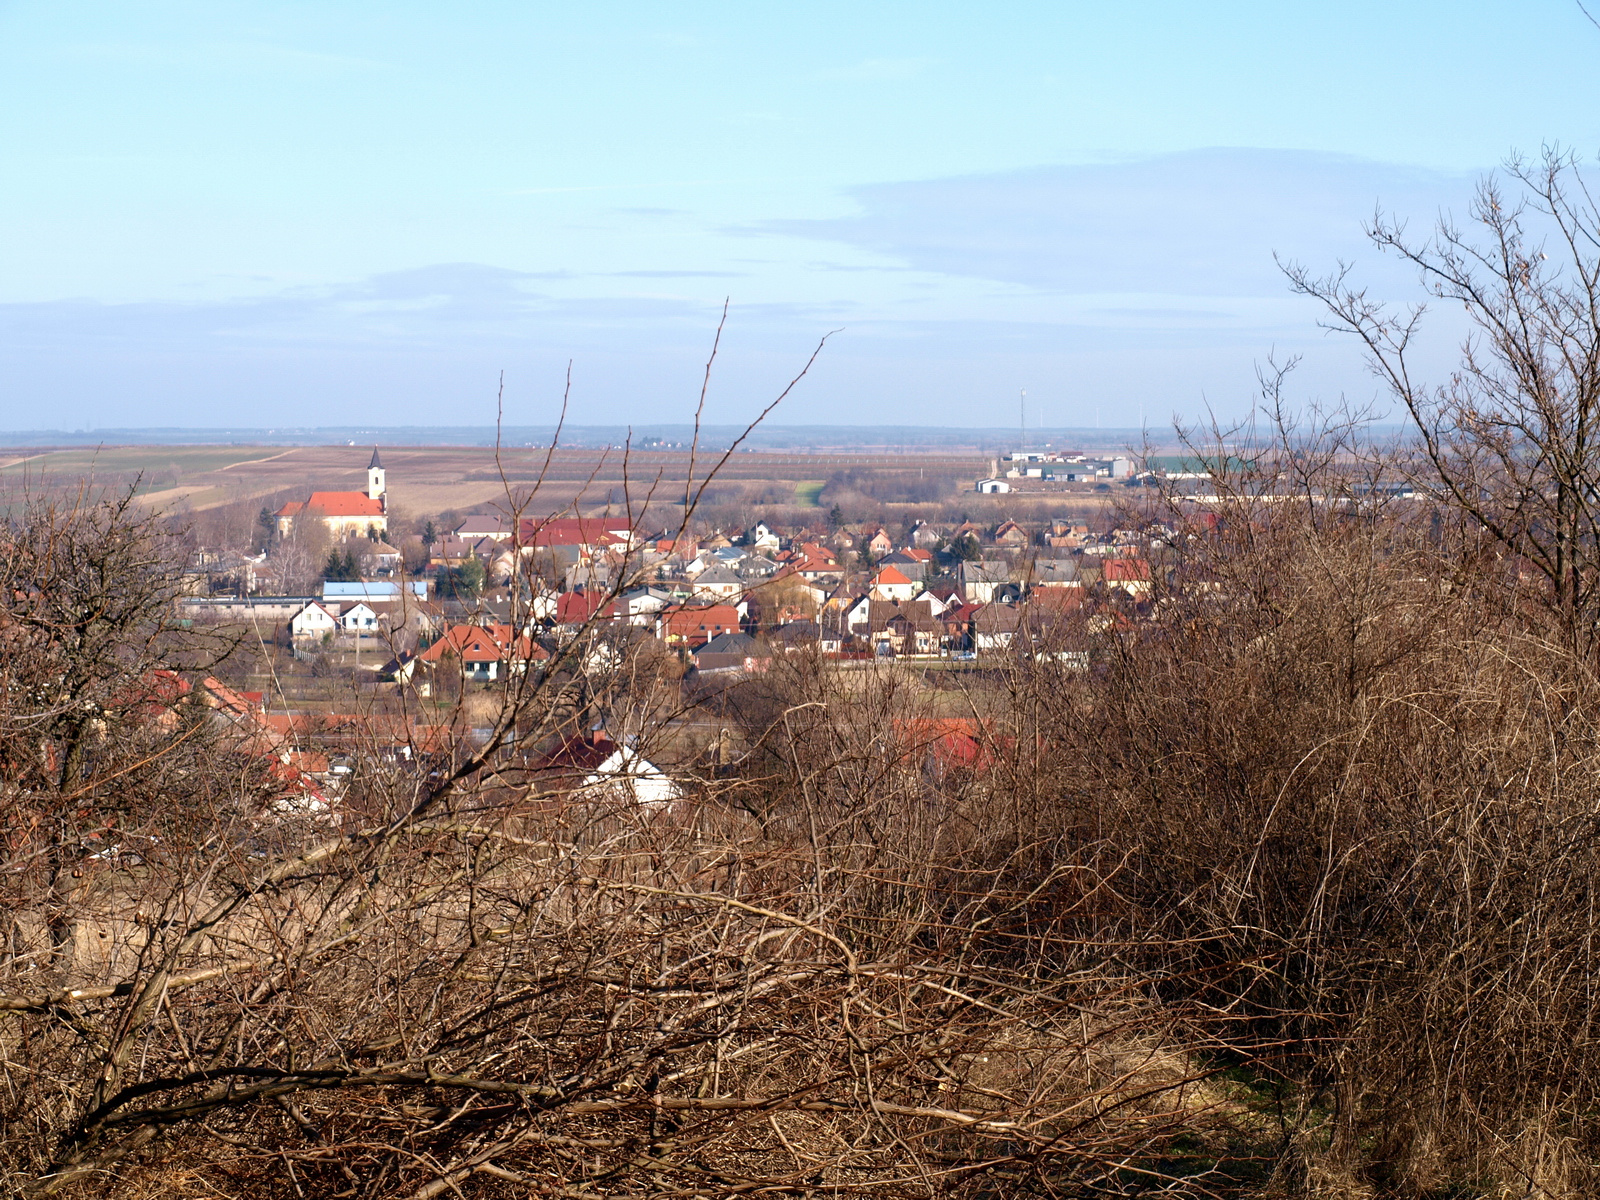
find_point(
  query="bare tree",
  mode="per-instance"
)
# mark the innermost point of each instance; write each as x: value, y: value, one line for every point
x: 1512, y: 438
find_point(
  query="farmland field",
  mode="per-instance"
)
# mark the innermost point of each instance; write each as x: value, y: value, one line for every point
x: 426, y: 479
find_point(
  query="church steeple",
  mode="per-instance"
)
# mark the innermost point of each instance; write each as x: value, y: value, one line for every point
x: 375, y: 482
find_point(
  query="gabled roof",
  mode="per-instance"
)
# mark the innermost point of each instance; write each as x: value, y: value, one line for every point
x: 344, y: 504
x: 693, y: 618
x: 1125, y: 570
x: 484, y: 525
x: 1055, y: 570
x: 890, y: 575
x: 735, y: 643
x: 477, y: 643
x: 919, y: 613
x: 995, y: 618
x: 719, y: 574
x: 575, y: 608
x: 985, y: 572
x: 575, y: 753
x: 574, y: 531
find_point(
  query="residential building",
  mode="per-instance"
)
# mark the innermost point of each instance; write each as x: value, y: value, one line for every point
x: 733, y: 651
x: 979, y: 579
x: 890, y: 583
x: 694, y: 626
x: 314, y: 621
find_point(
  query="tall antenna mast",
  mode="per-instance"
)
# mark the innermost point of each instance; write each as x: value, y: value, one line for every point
x: 1022, y: 415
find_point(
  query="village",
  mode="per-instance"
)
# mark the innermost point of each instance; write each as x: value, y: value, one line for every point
x: 413, y: 644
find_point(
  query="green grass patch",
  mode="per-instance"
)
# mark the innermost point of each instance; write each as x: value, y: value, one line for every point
x: 808, y: 491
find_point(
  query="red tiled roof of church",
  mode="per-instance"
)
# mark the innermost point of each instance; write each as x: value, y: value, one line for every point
x: 345, y: 504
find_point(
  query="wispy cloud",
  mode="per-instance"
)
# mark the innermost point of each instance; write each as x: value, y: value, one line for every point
x: 1200, y: 223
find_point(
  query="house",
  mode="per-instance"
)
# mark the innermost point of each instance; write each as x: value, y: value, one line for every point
x: 485, y: 653
x: 979, y: 580
x: 595, y: 768
x: 1132, y: 575
x: 720, y: 582
x: 694, y: 626
x: 879, y: 543
x: 641, y: 605
x: 408, y: 616
x: 358, y: 618
x: 1011, y: 535
x: 625, y: 776
x: 454, y: 551
x: 343, y: 513
x: 733, y: 652
x: 794, y: 636
x: 814, y: 563
x: 915, y: 629
x: 993, y: 487
x: 913, y: 564
x: 760, y: 538
x: 576, y: 609
x: 495, y: 526
x: 855, y: 615
x: 891, y: 583
x: 567, y: 540
x: 1066, y: 536
x: 912, y: 627
x: 994, y: 626
x: 942, y: 744
x: 1056, y: 573
x: 957, y: 621
x: 925, y: 536
x: 314, y: 621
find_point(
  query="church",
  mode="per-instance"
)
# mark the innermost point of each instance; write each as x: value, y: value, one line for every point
x: 344, y: 513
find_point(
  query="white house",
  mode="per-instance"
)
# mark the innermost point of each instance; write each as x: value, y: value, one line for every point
x: 761, y: 538
x: 719, y: 582
x: 642, y: 605
x: 979, y: 580
x: 993, y: 487
x: 891, y: 583
x: 359, y: 619
x: 314, y: 621
x: 629, y: 777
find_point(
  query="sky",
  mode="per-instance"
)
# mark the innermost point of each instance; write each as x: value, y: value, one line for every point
x: 362, y: 213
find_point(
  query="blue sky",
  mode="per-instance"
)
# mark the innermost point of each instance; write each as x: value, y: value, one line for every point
x: 231, y: 213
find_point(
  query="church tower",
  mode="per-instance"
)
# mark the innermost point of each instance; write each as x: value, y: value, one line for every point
x: 375, y: 484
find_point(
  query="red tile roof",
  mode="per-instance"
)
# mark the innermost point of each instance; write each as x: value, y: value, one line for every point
x: 477, y: 643
x: 573, y: 531
x: 576, y: 608
x: 700, y: 624
x: 1125, y: 570
x: 335, y: 504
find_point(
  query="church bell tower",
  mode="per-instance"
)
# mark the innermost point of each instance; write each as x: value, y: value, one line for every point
x: 375, y: 484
